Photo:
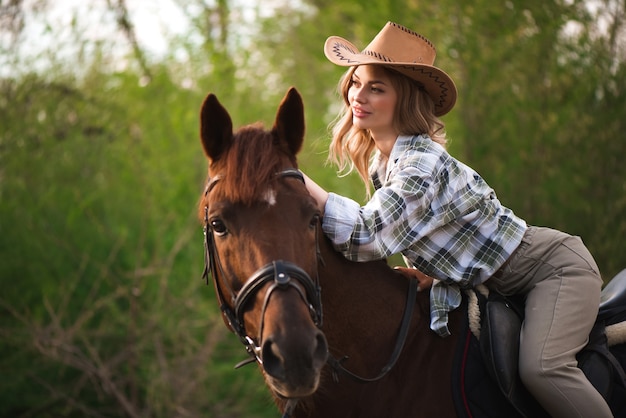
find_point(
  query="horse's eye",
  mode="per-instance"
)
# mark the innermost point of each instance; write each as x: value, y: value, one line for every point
x: 314, y: 221
x: 218, y: 227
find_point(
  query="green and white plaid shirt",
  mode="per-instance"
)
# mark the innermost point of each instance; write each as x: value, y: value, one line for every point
x: 436, y: 211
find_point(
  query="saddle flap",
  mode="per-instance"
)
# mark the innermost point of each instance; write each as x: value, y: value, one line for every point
x: 499, y: 342
x: 600, y: 366
x: 598, y: 370
x: 613, y: 299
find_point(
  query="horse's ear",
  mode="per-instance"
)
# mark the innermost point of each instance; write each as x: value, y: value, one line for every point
x: 216, y: 128
x: 289, y: 123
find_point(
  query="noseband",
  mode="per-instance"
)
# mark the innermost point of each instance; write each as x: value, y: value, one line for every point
x: 282, y: 275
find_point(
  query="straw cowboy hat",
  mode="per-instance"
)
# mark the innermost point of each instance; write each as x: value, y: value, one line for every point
x: 403, y: 50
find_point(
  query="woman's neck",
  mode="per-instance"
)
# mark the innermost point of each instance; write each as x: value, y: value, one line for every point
x: 385, y: 142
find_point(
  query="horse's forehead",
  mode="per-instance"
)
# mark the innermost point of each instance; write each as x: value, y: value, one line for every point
x: 269, y: 196
x: 266, y: 194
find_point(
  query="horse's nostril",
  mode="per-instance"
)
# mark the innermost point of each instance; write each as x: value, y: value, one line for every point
x: 320, y: 353
x: 273, y: 361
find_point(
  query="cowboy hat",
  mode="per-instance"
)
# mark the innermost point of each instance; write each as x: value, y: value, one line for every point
x: 406, y: 52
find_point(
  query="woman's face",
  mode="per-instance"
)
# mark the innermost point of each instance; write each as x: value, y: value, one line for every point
x: 372, y: 99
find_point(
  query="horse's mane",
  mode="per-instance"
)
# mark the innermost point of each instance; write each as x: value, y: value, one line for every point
x: 249, y: 165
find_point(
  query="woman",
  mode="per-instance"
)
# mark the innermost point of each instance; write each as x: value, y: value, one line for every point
x: 446, y: 221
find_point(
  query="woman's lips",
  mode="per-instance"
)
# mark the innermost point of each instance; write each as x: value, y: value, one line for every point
x: 359, y: 113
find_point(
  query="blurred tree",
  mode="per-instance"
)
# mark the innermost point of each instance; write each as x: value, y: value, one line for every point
x: 532, y: 79
x: 103, y: 312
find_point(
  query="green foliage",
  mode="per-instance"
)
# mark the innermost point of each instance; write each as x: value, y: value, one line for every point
x: 103, y: 312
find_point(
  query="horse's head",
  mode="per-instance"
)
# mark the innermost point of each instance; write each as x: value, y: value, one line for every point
x: 261, y: 229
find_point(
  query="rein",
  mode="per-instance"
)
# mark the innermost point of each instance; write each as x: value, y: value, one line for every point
x: 337, y: 365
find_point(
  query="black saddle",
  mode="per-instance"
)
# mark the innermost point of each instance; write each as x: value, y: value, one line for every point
x: 613, y: 298
x: 501, y: 319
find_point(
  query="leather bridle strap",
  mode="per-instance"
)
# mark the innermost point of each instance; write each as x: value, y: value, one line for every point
x: 211, y: 266
x: 281, y: 272
x: 337, y: 365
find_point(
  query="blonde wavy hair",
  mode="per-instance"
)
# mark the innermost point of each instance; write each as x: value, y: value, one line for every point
x: 352, y: 148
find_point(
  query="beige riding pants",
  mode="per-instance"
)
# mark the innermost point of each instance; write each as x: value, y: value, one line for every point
x: 562, y: 285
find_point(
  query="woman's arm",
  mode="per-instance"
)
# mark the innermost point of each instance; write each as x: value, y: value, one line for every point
x: 320, y: 195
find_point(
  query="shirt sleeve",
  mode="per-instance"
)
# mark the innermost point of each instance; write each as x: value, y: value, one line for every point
x: 340, y: 216
x: 443, y: 298
x: 392, y: 220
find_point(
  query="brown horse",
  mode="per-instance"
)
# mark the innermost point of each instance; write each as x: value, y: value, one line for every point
x: 368, y: 352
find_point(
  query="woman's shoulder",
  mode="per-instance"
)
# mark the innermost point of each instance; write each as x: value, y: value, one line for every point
x: 419, y: 144
x: 420, y: 150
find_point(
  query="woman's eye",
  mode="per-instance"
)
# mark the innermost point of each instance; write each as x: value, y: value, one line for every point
x: 218, y: 227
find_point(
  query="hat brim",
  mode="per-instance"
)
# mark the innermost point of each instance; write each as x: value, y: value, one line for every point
x: 436, y: 82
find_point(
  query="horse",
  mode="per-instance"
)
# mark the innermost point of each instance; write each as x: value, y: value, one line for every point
x: 332, y: 337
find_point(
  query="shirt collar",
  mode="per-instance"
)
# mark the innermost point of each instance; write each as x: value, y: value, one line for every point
x: 400, y: 147
x: 381, y: 167
x: 403, y: 143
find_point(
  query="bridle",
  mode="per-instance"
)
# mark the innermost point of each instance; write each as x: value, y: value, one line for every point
x: 282, y: 275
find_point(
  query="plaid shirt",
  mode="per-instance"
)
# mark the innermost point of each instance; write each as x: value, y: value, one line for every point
x: 439, y: 213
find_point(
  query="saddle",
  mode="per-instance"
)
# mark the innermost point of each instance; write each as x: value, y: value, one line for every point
x: 501, y: 319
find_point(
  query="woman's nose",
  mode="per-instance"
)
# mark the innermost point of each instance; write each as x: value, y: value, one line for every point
x: 358, y: 95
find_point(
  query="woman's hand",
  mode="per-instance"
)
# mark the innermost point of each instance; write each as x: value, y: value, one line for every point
x: 425, y: 282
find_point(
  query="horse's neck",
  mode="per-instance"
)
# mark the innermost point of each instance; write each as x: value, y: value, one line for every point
x: 374, y: 282
x: 363, y: 308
